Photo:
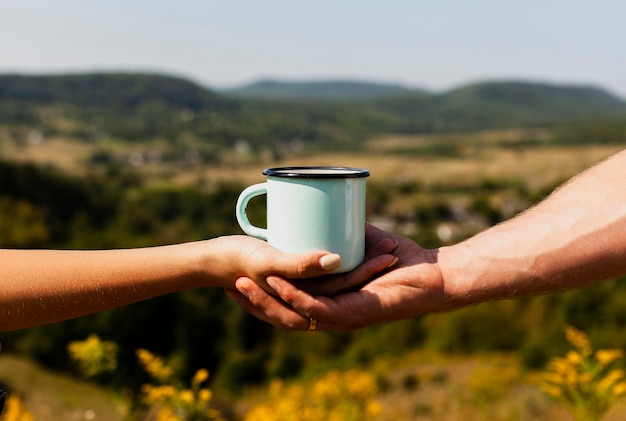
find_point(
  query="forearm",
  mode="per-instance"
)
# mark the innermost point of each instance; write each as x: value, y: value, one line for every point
x: 44, y: 286
x: 575, y: 237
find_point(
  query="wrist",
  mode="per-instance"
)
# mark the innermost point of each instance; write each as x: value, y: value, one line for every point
x: 464, y: 282
x: 205, y: 262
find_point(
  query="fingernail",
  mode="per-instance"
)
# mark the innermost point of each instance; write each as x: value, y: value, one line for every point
x: 243, y: 291
x: 272, y: 283
x: 330, y: 261
x: 395, y: 245
x: 392, y: 263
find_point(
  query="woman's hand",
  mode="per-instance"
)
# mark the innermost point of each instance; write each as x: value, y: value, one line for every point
x: 256, y: 260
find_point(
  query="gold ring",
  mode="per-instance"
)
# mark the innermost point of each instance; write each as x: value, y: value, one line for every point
x: 312, y: 325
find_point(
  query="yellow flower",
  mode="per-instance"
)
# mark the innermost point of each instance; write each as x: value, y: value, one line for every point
x: 373, y: 408
x: 337, y: 396
x: 15, y: 411
x: 572, y: 379
x: 586, y: 385
x: 205, y: 395
x: 616, y: 374
x: 559, y: 365
x: 578, y: 339
x: 619, y: 389
x: 93, y: 355
x: 607, y: 356
x: 574, y: 358
x: 157, y: 394
x: 186, y: 396
x: 609, y: 381
x: 552, y: 390
x: 326, y: 388
x: 154, y: 365
x: 166, y: 414
x: 172, y: 401
x: 360, y: 384
x: 555, y: 378
x: 200, y: 377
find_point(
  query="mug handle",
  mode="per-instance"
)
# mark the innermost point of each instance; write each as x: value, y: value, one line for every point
x: 240, y: 210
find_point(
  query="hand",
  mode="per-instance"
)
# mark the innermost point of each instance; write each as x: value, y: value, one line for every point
x: 413, y: 287
x: 256, y: 260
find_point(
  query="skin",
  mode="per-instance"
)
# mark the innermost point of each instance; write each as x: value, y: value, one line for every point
x: 575, y: 237
x: 46, y: 286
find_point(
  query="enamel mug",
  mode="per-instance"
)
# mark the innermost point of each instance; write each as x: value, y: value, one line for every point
x: 311, y: 208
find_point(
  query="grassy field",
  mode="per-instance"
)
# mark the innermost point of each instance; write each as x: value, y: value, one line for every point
x: 54, y: 396
x: 441, y: 159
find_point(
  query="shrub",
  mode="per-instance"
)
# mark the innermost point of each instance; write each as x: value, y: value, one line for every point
x: 587, y: 382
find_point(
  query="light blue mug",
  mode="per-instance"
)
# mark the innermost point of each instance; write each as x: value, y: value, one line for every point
x: 311, y: 208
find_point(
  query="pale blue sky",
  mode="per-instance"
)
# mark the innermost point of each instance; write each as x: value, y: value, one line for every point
x: 435, y: 45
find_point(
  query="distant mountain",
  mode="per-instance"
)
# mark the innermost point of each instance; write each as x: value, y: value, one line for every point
x: 106, y: 89
x: 320, y: 90
x: 538, y: 95
x: 321, y: 115
x: 502, y: 104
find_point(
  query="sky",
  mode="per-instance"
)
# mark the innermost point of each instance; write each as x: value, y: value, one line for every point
x: 435, y: 45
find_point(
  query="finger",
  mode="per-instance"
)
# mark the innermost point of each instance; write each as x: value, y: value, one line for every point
x: 264, y: 306
x: 318, y: 263
x: 318, y: 307
x: 285, y: 318
x: 385, y: 246
x: 265, y: 310
x: 374, y: 235
x: 298, y: 316
x: 322, y: 325
x: 348, y: 312
x: 305, y: 265
x: 335, y: 284
x: 378, y: 242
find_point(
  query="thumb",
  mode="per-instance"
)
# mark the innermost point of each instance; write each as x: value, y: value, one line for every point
x: 306, y: 265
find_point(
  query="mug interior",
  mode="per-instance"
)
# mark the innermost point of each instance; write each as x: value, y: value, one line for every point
x: 317, y: 172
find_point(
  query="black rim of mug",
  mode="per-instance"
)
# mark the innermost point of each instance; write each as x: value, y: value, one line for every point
x: 310, y: 172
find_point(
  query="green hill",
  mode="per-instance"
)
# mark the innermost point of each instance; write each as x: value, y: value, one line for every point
x: 105, y: 89
x: 138, y: 107
x: 320, y: 91
x: 501, y: 104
